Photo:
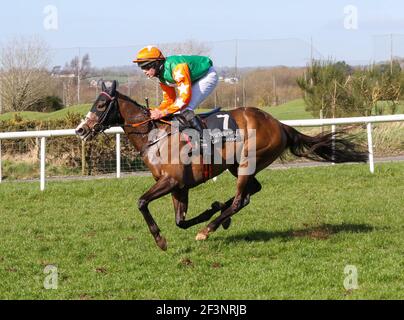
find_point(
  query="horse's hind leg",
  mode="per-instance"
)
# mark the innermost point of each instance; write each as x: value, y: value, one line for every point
x: 253, y: 187
x: 180, y: 201
x: 241, y: 199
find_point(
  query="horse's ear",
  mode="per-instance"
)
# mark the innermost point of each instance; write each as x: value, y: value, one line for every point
x: 104, y: 87
x: 113, y: 88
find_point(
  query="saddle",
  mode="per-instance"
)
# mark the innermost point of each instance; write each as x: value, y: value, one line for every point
x: 218, y: 126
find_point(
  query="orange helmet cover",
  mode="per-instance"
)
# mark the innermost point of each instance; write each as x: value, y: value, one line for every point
x: 149, y: 53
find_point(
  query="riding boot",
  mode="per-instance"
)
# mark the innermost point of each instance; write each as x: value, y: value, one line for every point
x: 196, y: 123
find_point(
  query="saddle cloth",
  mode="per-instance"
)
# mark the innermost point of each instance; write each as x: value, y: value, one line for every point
x: 221, y: 126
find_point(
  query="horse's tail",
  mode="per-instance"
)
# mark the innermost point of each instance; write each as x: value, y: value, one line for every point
x: 329, y: 147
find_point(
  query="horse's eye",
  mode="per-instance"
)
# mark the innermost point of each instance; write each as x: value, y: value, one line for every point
x: 101, y: 107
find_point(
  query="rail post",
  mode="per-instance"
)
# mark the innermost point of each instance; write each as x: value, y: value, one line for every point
x: 1, y: 166
x: 370, y: 147
x: 118, y: 155
x: 43, y: 159
x: 333, y: 129
x: 83, y: 158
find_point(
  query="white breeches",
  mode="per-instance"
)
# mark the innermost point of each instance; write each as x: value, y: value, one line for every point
x: 203, y: 88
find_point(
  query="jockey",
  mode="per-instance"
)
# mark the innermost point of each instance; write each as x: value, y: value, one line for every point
x: 194, y: 78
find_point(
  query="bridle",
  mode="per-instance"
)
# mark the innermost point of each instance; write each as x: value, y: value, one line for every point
x: 100, y: 127
x: 112, y: 102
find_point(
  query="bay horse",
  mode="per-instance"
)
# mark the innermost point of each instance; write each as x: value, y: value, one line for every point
x: 270, y: 140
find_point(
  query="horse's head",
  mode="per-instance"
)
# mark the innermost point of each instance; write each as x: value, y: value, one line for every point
x: 103, y: 114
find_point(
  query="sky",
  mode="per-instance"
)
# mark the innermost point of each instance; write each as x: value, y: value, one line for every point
x: 270, y: 32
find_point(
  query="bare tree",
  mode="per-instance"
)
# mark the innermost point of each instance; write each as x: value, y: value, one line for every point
x: 25, y: 79
x: 76, y: 66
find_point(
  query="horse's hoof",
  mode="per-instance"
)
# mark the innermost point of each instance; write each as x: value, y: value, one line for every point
x: 162, y: 243
x: 202, y: 235
x: 226, y: 224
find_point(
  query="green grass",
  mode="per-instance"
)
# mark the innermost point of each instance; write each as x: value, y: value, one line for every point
x: 82, y: 109
x: 291, y: 110
x: 295, y: 109
x: 292, y: 241
x: 17, y: 170
x: 60, y: 114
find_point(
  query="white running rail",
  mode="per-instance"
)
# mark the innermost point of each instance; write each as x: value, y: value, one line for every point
x: 118, y: 131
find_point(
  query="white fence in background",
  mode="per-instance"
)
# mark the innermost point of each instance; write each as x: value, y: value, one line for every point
x: 43, y: 135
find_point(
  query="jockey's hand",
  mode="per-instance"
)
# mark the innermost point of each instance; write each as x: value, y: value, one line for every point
x: 156, y: 114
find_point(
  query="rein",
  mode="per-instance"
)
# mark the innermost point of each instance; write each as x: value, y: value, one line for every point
x: 113, y: 102
x: 135, y: 125
x: 100, y: 127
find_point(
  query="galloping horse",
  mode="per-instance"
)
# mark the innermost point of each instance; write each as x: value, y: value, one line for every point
x: 270, y: 140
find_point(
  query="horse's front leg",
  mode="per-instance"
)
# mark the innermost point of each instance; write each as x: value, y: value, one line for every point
x: 180, y: 201
x: 164, y: 186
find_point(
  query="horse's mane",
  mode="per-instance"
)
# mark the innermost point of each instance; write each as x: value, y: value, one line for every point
x: 128, y: 99
x: 145, y: 110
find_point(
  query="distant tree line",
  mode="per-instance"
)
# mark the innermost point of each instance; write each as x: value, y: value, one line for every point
x: 329, y: 88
